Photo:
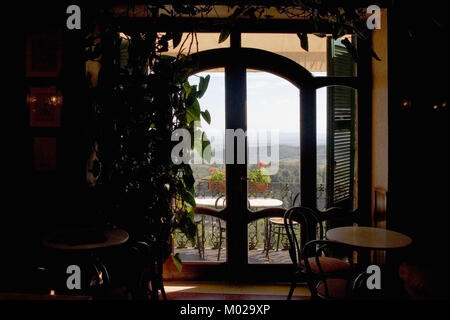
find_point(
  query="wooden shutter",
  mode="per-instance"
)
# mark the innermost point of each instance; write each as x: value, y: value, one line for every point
x: 341, y: 129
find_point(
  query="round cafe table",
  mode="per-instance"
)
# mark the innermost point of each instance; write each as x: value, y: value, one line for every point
x: 112, y: 238
x: 253, y: 202
x: 83, y: 246
x: 369, y: 238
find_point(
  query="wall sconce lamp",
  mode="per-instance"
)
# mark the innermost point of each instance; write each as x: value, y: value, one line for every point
x: 441, y: 106
x: 405, y: 104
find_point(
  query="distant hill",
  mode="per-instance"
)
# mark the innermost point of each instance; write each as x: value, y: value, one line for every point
x: 289, y: 164
x: 287, y: 153
x: 292, y: 153
x: 293, y: 138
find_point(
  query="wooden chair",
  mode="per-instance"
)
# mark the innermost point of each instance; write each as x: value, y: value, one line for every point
x: 308, y: 220
x: 146, y: 268
x: 327, y: 278
x: 276, y: 228
x: 335, y: 217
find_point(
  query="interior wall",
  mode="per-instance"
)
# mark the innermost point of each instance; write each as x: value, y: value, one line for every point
x: 38, y: 200
x: 380, y: 106
x: 380, y: 113
x: 418, y: 131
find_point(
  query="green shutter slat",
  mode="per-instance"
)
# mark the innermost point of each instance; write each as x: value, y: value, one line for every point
x: 340, y: 149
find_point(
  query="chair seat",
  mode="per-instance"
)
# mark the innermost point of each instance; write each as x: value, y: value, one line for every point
x: 337, y: 289
x: 328, y: 265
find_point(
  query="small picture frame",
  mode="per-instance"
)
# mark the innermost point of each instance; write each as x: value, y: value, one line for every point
x: 45, y: 107
x: 44, y: 54
x: 45, y: 154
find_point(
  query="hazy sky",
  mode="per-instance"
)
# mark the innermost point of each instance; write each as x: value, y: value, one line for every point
x: 272, y: 103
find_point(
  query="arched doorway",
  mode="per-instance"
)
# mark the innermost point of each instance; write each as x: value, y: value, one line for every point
x: 235, y: 213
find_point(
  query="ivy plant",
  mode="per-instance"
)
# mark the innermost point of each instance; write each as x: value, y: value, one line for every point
x: 141, y: 98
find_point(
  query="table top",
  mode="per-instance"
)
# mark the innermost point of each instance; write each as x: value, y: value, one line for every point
x: 37, y: 296
x: 276, y: 220
x: 113, y: 237
x: 369, y: 237
x: 254, y: 202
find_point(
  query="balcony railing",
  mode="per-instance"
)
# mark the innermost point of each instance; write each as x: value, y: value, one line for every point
x: 211, y: 230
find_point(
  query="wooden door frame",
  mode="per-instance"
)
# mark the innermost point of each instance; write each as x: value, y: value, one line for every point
x: 237, y: 216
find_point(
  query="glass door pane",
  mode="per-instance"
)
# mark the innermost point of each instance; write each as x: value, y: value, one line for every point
x: 321, y: 103
x: 273, y: 118
x: 210, y: 186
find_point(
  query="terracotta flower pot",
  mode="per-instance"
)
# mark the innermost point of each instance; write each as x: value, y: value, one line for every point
x: 260, y: 187
x: 216, y: 187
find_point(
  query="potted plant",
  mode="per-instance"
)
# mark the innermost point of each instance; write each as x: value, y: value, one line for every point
x: 132, y: 116
x: 217, y: 181
x: 259, y: 179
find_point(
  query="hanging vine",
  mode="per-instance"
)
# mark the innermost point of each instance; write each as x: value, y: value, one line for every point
x: 142, y: 96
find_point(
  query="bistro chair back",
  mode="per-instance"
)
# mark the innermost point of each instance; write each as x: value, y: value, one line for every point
x: 312, y: 228
x: 305, y: 217
x: 326, y: 281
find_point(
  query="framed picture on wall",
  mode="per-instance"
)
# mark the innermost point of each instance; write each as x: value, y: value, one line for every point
x: 45, y: 107
x: 44, y: 54
x: 45, y: 154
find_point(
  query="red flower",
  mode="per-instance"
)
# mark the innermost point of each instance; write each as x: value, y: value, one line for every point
x: 211, y: 170
x: 261, y: 164
x: 223, y: 171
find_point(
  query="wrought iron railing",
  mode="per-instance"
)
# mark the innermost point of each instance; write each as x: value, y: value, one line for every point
x: 211, y: 230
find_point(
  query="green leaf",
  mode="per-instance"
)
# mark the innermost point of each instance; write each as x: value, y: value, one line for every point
x: 237, y: 12
x: 351, y: 49
x: 198, y: 146
x: 197, y: 125
x: 202, y: 145
x: 177, y: 261
x: 165, y: 57
x: 191, y: 129
x: 250, y: 12
x: 360, y: 34
x: 203, y: 86
x: 196, y: 133
x: 342, y: 31
x: 374, y: 54
x: 187, y: 88
x: 192, y: 95
x: 206, y: 116
x: 193, y: 112
x: 177, y: 39
x: 189, y: 117
x: 303, y: 40
x: 206, y: 148
x: 190, y: 212
x: 187, y: 169
x: 188, y: 198
x: 224, y: 34
x: 187, y: 226
x: 163, y: 44
x: 188, y: 177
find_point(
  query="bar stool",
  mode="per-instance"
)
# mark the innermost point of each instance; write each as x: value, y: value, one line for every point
x: 276, y: 228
